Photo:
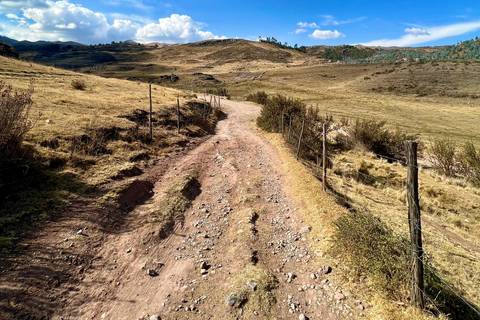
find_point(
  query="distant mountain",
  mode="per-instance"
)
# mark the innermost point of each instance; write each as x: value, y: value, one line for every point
x: 25, y: 45
x: 7, y: 50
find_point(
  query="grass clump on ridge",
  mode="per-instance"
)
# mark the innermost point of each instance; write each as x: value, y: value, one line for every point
x: 178, y: 199
x: 263, y: 297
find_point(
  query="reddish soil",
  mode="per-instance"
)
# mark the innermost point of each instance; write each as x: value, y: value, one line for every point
x: 92, y: 262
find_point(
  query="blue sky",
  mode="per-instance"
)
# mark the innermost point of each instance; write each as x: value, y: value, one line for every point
x: 385, y: 23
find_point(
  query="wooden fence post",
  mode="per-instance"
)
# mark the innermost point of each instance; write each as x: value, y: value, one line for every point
x: 414, y: 219
x: 178, y: 116
x: 289, y: 128
x: 150, y: 117
x: 300, y: 139
x: 282, y: 126
x: 324, y: 163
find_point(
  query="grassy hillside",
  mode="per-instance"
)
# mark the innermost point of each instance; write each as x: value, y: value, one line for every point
x: 84, y: 137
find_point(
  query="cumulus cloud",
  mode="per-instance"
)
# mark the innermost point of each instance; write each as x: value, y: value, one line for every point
x: 176, y: 28
x: 430, y: 34
x: 326, y: 34
x: 417, y: 31
x: 307, y: 25
x: 62, y: 20
x: 298, y: 31
x: 16, y: 5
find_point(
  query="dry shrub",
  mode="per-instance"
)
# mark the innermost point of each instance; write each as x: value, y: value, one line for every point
x: 371, y: 250
x: 79, y: 84
x: 14, y: 122
x: 442, y: 155
x: 469, y: 160
x: 371, y: 135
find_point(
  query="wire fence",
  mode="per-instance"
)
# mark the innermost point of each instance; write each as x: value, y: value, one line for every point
x: 292, y: 133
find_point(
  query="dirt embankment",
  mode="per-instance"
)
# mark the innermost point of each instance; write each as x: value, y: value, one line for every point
x: 216, y: 237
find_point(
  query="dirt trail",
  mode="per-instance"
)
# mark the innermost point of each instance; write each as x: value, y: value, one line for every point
x: 241, y: 228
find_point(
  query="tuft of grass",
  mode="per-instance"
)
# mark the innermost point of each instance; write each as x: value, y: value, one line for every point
x: 177, y: 200
x: 263, y: 298
x: 79, y: 84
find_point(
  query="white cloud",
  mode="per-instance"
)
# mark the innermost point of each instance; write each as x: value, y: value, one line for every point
x: 12, y: 16
x: 326, y: 34
x: 71, y: 25
x: 2, y: 27
x: 431, y: 34
x: 307, y: 25
x: 176, y: 28
x: 329, y: 20
x: 16, y: 5
x: 417, y: 31
x: 62, y: 20
x: 298, y: 31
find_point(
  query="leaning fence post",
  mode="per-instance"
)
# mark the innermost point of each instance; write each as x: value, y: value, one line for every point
x: 324, y: 163
x: 414, y: 219
x: 150, y: 117
x: 178, y: 116
x: 300, y: 139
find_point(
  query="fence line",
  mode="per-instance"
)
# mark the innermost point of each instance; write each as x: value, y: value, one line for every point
x: 415, y: 226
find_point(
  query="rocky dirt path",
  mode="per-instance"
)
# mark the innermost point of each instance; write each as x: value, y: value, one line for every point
x: 239, y: 252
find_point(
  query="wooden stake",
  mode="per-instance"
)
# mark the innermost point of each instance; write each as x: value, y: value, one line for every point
x: 414, y: 219
x: 178, y: 116
x: 289, y: 128
x: 300, y: 139
x: 150, y: 117
x: 324, y: 164
x: 283, y: 131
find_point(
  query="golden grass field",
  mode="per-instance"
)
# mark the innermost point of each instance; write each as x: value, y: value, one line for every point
x: 431, y: 100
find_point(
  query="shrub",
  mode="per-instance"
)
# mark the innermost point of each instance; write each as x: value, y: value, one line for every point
x: 261, y: 97
x: 271, y: 114
x: 14, y: 123
x: 442, y: 155
x: 79, y: 84
x: 372, y: 135
x: 469, y: 160
x: 371, y: 250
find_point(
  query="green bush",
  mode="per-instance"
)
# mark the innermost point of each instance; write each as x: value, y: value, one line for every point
x: 260, y: 97
x: 371, y: 250
x: 14, y: 122
x: 271, y: 114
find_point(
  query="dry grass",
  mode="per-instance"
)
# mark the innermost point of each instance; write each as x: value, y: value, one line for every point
x: 82, y: 139
x: 450, y: 207
x: 321, y: 211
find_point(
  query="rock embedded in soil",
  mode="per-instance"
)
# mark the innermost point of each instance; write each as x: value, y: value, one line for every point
x: 252, y: 285
x: 339, y: 296
x: 155, y: 317
x: 231, y: 300
x: 325, y: 269
x: 152, y: 273
x: 306, y: 229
